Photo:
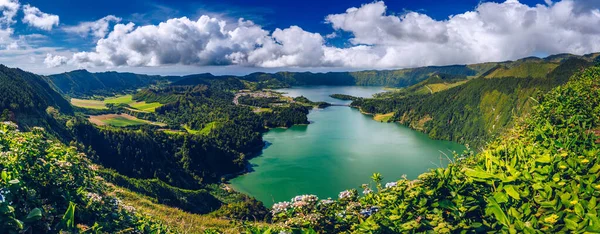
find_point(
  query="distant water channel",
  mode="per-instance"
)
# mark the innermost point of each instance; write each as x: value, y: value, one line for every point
x: 339, y: 150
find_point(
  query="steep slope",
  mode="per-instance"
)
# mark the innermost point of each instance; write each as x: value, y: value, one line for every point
x: 29, y: 100
x: 83, y: 83
x: 475, y: 111
x: 541, y: 177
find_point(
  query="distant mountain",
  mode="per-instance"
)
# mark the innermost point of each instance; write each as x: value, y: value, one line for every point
x: 25, y: 98
x: 85, y: 83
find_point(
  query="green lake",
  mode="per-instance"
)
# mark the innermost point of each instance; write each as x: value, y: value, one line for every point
x: 339, y: 150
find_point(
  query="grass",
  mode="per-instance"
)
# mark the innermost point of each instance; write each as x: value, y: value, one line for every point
x: 89, y: 104
x: 121, y: 120
x: 125, y: 99
x: 116, y: 100
x: 383, y: 117
x: 190, y: 131
x: 147, y: 107
x: 173, y: 217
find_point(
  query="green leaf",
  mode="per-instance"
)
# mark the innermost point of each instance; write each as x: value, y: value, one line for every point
x: 500, y: 197
x: 34, y: 215
x: 544, y: 159
x: 478, y: 174
x: 571, y: 222
x: 4, y: 175
x: 512, y: 192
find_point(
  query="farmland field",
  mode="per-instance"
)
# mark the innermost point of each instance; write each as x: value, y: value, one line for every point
x: 90, y: 104
x: 120, y: 120
x: 125, y: 99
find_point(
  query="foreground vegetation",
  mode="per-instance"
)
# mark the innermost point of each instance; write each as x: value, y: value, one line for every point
x: 540, y: 177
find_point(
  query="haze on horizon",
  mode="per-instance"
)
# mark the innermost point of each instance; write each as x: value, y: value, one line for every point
x: 223, y: 38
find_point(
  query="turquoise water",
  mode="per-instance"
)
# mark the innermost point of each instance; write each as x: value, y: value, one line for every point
x: 339, y: 150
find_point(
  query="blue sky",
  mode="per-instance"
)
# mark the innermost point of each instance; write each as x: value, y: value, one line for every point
x: 284, y: 35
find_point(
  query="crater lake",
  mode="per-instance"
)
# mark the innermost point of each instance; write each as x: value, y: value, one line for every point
x: 340, y: 149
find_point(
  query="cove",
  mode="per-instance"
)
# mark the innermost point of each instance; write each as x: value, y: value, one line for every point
x: 339, y: 150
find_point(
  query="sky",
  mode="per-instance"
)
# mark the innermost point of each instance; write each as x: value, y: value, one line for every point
x: 180, y: 37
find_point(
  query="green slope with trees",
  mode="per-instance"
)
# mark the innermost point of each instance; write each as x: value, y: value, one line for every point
x: 540, y: 177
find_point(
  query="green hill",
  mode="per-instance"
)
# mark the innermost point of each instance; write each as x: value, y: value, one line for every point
x: 476, y: 110
x: 27, y: 99
x: 81, y: 83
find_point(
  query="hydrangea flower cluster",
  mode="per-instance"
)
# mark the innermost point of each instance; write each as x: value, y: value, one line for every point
x: 369, y: 211
x: 391, y: 185
x: 94, y: 197
x: 280, y: 207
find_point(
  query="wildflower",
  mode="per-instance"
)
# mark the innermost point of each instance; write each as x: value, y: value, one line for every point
x: 369, y: 211
x: 585, y: 161
x: 345, y: 194
x: 391, y: 184
x: 127, y: 208
x: 551, y: 219
x: 326, y: 201
x: 367, y: 191
x: 94, y: 197
x: 300, y: 204
x: 280, y: 207
x: 1, y: 198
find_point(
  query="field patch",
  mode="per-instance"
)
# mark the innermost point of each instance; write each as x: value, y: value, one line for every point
x: 147, y: 107
x: 383, y: 117
x: 120, y: 120
x: 117, y: 100
x: 89, y: 104
x: 126, y: 99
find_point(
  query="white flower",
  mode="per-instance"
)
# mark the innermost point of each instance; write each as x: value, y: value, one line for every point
x: 345, y: 194
x: 94, y: 197
x: 367, y: 191
x: 280, y: 207
x: 391, y: 184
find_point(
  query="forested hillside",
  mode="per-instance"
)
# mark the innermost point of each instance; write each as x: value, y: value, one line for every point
x: 474, y: 111
x: 542, y: 176
x: 81, y: 83
x: 27, y: 99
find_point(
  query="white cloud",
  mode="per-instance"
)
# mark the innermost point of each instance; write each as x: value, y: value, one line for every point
x: 55, y: 60
x: 98, y: 28
x: 9, y: 9
x: 491, y: 32
x: 36, y: 18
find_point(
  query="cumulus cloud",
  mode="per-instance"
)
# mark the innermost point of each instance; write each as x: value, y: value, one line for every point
x: 490, y: 32
x: 55, y: 60
x: 36, y: 18
x: 97, y: 29
x: 9, y: 10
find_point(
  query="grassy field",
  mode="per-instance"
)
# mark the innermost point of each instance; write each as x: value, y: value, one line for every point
x: 183, y: 221
x: 126, y: 99
x: 121, y: 120
x: 434, y: 88
x: 147, y: 107
x: 116, y: 100
x: 90, y: 104
x: 383, y: 117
